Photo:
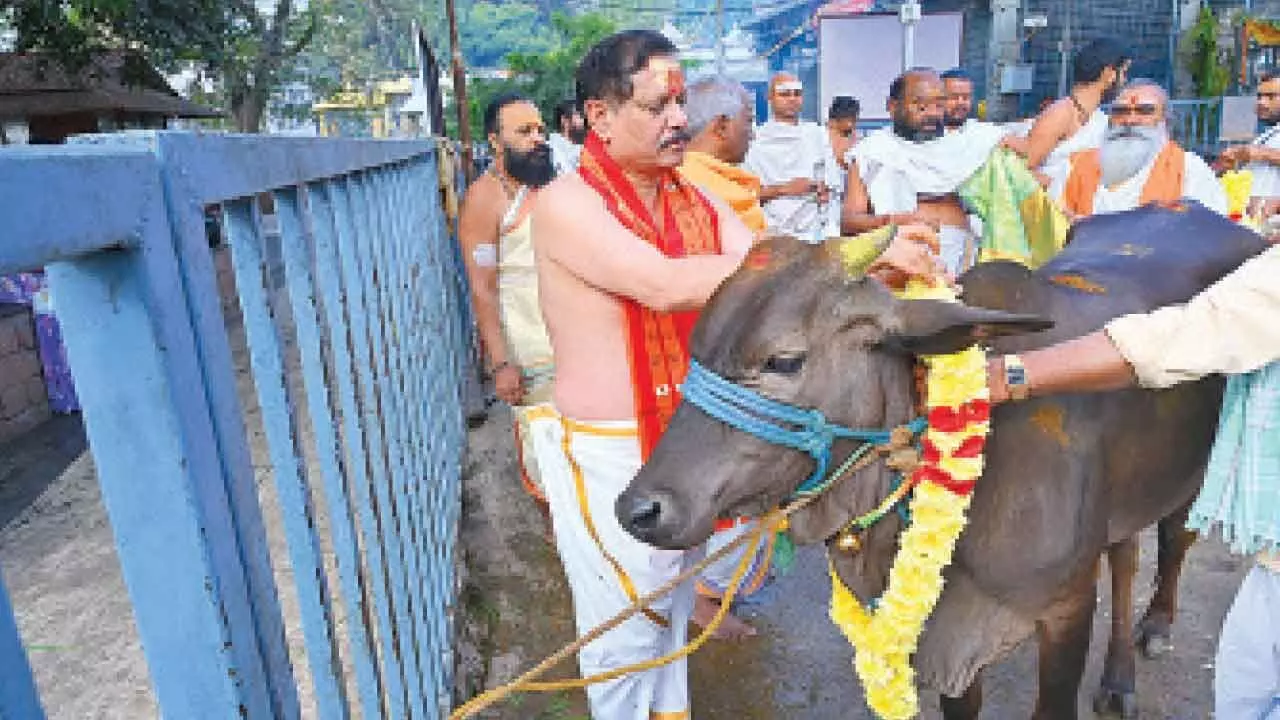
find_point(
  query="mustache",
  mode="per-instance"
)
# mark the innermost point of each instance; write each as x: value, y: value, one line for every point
x: 677, y: 137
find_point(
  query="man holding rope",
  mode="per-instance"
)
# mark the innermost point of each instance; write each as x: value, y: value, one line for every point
x: 627, y: 253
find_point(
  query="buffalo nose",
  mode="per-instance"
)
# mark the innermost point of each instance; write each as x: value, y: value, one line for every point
x: 644, y: 513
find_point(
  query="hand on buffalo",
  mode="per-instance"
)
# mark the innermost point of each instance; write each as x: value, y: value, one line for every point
x: 913, y: 253
x: 1235, y: 156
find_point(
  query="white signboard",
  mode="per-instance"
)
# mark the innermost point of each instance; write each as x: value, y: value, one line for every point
x: 861, y: 54
x: 1239, y: 118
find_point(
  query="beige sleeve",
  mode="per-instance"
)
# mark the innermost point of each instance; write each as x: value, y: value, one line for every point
x: 1232, y: 327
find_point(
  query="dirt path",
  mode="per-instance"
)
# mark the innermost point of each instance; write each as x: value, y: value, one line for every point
x: 799, y: 668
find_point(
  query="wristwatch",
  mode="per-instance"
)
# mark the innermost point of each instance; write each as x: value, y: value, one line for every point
x: 1015, y: 378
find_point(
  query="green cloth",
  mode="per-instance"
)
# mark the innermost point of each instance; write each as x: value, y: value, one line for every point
x: 1019, y: 220
x: 1241, y: 492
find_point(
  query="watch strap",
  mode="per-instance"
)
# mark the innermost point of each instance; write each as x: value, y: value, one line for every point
x: 1015, y: 378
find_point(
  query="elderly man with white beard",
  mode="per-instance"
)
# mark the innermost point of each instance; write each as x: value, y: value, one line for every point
x: 1138, y: 163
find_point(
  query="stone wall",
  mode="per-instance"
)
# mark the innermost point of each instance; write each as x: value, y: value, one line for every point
x: 1143, y: 25
x: 24, y: 403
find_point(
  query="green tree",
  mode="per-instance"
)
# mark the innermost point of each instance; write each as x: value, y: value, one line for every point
x: 243, y: 43
x: 547, y: 77
x: 1203, y: 58
x: 490, y: 31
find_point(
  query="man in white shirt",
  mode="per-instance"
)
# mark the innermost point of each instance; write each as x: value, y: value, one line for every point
x: 797, y: 170
x: 566, y: 141
x: 912, y: 172
x: 1262, y: 157
x: 957, y: 86
x: 842, y: 128
x: 1138, y: 163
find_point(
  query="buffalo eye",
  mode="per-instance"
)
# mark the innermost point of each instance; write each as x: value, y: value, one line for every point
x: 784, y: 364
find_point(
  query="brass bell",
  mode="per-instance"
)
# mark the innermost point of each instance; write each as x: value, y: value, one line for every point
x: 849, y: 541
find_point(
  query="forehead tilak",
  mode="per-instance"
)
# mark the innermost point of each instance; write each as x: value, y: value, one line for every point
x: 669, y: 76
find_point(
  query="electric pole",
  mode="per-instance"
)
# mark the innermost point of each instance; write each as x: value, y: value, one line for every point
x: 909, y: 14
x: 460, y: 90
x: 720, y: 37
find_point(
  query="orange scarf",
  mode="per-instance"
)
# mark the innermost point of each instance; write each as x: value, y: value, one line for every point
x: 658, y: 342
x: 1164, y: 184
x: 738, y: 188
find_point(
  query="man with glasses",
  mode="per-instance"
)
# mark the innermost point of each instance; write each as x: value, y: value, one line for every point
x: 1262, y: 157
x: 627, y: 251
x: 794, y: 162
x: 1137, y: 162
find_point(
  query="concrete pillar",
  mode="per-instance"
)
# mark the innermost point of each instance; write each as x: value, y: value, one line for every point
x: 1006, y: 41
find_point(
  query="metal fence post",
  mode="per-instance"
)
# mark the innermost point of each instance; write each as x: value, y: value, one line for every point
x: 19, y: 699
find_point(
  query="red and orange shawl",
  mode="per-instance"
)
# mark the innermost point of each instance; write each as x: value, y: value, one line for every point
x: 658, y: 342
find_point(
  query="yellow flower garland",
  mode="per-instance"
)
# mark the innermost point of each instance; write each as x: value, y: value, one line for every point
x: 885, y: 640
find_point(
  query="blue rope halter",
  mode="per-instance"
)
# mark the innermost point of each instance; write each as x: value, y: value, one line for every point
x: 778, y: 423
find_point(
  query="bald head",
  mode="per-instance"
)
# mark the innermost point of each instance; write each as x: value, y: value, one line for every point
x: 786, y: 97
x: 916, y: 100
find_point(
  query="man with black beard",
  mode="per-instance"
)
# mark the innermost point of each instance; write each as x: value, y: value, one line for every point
x: 1138, y: 163
x: 911, y: 173
x: 498, y: 252
x: 1262, y: 157
x: 566, y: 140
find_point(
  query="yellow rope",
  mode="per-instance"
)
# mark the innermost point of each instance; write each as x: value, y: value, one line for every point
x: 739, y: 575
x: 769, y: 523
x: 525, y: 682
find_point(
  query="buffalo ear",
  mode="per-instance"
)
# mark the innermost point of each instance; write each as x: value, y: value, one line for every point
x: 935, y: 327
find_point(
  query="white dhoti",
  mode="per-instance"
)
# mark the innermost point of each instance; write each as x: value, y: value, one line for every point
x: 896, y: 172
x: 958, y: 248
x: 585, y: 467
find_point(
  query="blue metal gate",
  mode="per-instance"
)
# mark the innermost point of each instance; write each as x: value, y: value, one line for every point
x: 357, y: 356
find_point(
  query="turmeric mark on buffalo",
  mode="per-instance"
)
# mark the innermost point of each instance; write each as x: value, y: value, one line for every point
x: 1050, y: 420
x: 1131, y: 250
x: 1078, y: 283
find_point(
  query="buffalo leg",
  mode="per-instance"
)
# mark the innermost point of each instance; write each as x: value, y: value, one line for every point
x: 1064, y: 633
x: 1117, y: 696
x: 967, y: 706
x: 1155, y: 628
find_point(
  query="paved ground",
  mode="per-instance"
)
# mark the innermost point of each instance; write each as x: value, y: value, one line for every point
x: 58, y: 560
x: 799, y: 667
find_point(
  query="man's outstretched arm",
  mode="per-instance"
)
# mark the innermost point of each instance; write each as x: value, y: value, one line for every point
x: 572, y: 228
x: 1229, y: 328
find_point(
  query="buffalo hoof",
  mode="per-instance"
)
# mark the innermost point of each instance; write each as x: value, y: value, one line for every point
x: 1153, y: 641
x: 1115, y: 704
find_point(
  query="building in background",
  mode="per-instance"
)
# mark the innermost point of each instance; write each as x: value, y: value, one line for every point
x: 45, y: 101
